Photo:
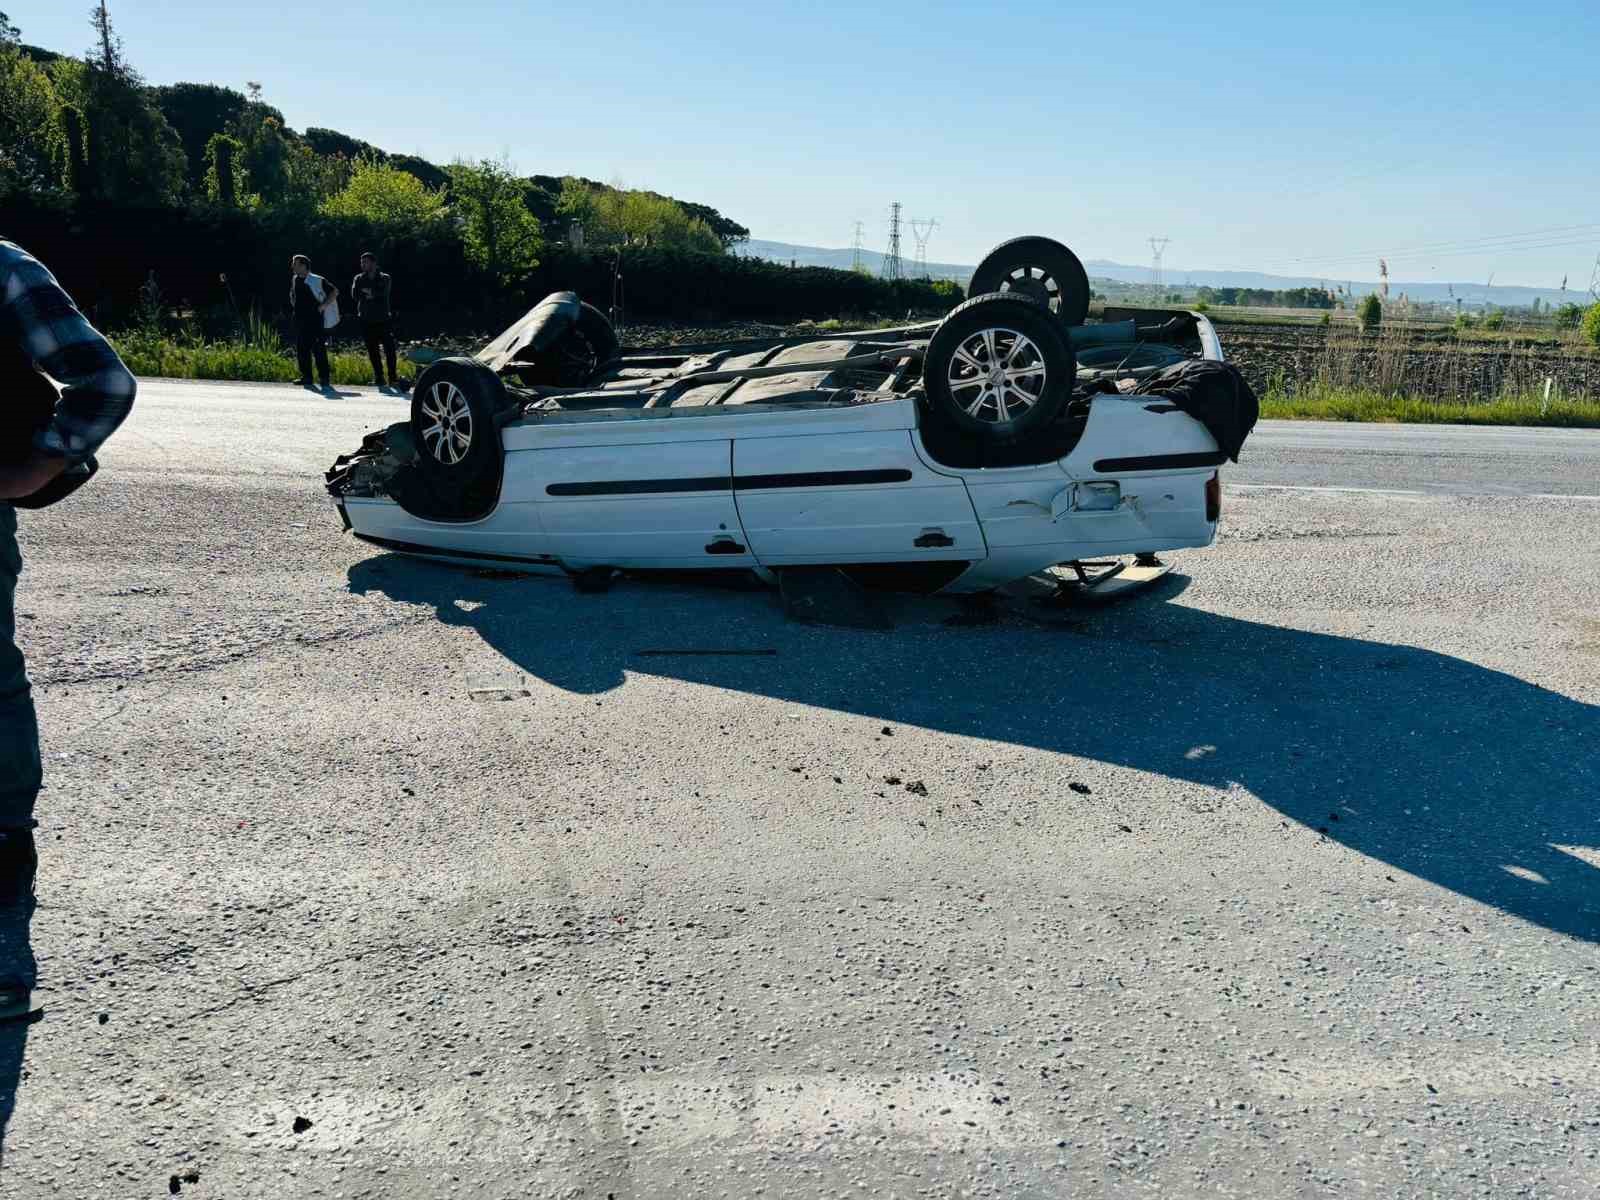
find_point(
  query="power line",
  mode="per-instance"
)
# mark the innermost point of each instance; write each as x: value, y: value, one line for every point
x: 1457, y: 245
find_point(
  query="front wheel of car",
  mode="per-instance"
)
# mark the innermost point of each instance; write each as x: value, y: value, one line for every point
x: 998, y: 368
x: 578, y: 356
x: 456, y: 405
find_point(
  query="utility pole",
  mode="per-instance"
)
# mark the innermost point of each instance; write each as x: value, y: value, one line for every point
x: 922, y: 230
x: 855, y: 248
x: 892, y: 268
x: 1158, y: 246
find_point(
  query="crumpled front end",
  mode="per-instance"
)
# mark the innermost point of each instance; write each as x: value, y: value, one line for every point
x: 371, y: 472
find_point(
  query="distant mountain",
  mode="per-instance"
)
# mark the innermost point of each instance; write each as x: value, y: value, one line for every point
x: 1472, y: 295
x: 817, y: 256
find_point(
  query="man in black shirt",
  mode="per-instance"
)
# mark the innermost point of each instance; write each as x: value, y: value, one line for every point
x: 315, y: 302
x: 372, y: 290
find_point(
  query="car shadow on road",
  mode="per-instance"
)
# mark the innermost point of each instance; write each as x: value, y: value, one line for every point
x: 1467, y: 777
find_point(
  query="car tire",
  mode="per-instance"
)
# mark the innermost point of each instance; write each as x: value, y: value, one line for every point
x: 456, y: 408
x: 578, y: 356
x: 999, y: 339
x: 1040, y: 268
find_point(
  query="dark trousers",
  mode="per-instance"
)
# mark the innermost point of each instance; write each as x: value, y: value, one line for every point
x: 312, y: 340
x: 19, y: 728
x: 20, y: 779
x: 380, y: 334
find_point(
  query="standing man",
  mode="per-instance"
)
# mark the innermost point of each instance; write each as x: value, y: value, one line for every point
x: 315, y: 302
x: 372, y: 290
x: 42, y: 434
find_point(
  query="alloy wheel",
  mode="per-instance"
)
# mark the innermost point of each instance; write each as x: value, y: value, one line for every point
x: 449, y: 437
x: 996, y: 375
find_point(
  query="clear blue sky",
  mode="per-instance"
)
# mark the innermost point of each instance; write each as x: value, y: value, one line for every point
x: 1292, y: 138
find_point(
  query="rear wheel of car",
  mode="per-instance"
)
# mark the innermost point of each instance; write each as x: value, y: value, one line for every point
x: 456, y: 405
x: 1039, y: 268
x: 578, y: 356
x: 998, y: 368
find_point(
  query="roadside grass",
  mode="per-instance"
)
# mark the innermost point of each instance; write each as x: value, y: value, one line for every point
x: 1349, y: 404
x: 244, y: 360
x: 1379, y: 388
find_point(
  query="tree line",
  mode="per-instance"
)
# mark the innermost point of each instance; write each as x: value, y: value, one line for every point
x: 220, y: 188
x: 1301, y: 297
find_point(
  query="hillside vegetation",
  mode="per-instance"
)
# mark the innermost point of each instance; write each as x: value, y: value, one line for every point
x: 109, y: 179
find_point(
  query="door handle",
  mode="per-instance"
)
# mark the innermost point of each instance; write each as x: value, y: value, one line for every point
x: 931, y: 538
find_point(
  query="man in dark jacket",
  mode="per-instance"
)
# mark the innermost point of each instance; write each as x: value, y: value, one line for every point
x: 372, y: 291
x: 43, y: 433
x: 315, y: 302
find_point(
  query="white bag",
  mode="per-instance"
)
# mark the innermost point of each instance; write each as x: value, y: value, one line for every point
x: 319, y: 289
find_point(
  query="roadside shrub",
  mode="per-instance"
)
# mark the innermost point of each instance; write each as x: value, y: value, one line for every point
x: 1200, y: 306
x: 1369, y: 313
x: 1569, y: 316
x: 1494, y: 320
x: 393, y: 200
x: 1591, y: 325
x: 1326, y: 319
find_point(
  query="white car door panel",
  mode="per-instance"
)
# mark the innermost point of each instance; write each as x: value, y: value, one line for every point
x: 668, y: 504
x: 843, y: 498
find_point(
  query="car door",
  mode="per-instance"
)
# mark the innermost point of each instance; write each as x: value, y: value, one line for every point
x: 850, y: 497
x: 655, y: 503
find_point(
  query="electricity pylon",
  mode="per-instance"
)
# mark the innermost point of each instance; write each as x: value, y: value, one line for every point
x: 922, y: 230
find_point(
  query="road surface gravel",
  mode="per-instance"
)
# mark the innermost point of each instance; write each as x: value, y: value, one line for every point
x: 364, y: 877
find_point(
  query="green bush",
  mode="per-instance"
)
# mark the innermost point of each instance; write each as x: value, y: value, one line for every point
x: 1591, y: 325
x: 1494, y: 320
x: 1370, y: 313
x: 1569, y: 316
x: 391, y: 199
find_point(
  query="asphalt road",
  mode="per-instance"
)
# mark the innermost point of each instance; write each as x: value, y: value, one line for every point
x: 366, y: 877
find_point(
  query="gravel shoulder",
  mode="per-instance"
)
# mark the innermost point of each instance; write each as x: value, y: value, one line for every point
x: 1280, y: 881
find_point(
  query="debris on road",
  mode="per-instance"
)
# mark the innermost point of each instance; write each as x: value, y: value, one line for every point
x: 512, y: 689
x: 1081, y: 788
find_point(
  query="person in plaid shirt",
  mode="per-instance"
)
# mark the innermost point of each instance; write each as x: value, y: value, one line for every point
x: 42, y: 435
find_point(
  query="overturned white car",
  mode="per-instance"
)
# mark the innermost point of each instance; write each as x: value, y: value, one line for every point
x: 954, y: 456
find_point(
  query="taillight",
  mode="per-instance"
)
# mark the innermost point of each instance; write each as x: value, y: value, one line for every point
x: 1213, y: 497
